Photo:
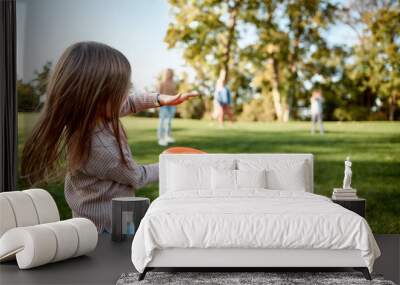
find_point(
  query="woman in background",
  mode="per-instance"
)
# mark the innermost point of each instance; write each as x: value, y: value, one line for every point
x: 167, y: 113
x: 222, y: 100
x: 316, y: 111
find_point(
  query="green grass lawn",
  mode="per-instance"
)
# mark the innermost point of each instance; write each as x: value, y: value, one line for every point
x: 374, y: 148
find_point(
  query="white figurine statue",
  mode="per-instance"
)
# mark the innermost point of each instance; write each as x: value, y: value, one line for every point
x: 347, y: 174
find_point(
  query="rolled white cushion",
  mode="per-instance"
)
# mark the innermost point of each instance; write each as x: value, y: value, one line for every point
x: 45, y: 205
x: 33, y: 246
x: 67, y: 240
x: 7, y: 218
x: 40, y: 244
x: 23, y: 208
x: 87, y: 235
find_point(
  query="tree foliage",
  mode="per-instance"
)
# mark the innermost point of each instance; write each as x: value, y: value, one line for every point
x: 278, y: 48
x: 28, y: 100
x: 194, y: 108
x: 290, y: 49
x: 208, y: 33
x: 30, y: 93
x: 376, y: 57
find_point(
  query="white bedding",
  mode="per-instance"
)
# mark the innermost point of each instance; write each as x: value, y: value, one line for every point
x: 250, y: 219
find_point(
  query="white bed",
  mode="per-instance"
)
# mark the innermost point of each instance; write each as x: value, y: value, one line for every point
x: 215, y: 225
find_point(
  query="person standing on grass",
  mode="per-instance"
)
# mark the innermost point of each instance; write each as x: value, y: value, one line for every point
x: 79, y: 127
x: 223, y: 99
x: 167, y: 113
x: 317, y: 111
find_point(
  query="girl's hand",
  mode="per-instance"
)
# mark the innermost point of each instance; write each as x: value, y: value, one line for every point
x: 168, y: 100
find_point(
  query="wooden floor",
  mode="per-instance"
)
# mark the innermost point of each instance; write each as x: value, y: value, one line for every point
x: 110, y: 260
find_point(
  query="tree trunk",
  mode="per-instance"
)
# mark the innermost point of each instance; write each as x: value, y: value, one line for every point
x: 392, y: 106
x: 286, y: 112
x: 233, y: 11
x: 293, y: 58
x: 280, y: 106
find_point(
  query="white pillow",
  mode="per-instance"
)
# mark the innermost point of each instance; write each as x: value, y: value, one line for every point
x: 251, y: 178
x: 288, y: 175
x: 193, y: 175
x: 223, y: 179
x: 292, y: 180
x: 184, y: 178
x: 231, y: 180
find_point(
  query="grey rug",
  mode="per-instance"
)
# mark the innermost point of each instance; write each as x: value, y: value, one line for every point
x: 269, y: 278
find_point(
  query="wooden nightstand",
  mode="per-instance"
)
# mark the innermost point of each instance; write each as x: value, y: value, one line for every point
x: 358, y: 205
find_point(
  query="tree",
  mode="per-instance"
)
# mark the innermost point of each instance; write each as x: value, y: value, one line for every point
x: 386, y: 39
x: 290, y: 49
x: 28, y: 100
x: 376, y: 57
x: 194, y: 108
x: 288, y: 52
x: 30, y: 93
x: 41, y: 78
x: 208, y: 32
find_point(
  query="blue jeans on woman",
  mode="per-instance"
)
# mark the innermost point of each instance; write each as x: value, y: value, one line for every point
x: 166, y: 115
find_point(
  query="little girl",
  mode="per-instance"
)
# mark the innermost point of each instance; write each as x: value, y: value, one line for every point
x: 86, y: 95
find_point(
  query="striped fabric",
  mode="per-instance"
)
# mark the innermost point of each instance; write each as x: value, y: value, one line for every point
x: 89, y: 190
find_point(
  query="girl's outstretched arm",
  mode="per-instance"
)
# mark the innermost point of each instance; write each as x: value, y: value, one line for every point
x: 140, y: 102
x: 168, y: 100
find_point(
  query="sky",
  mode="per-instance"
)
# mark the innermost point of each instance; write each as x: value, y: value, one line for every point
x: 135, y: 27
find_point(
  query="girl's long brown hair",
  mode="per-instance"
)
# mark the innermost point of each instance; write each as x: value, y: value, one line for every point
x: 88, y: 86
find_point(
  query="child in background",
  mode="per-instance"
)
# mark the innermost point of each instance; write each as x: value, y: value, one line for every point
x: 167, y: 113
x: 316, y: 111
x: 79, y: 128
x: 223, y: 99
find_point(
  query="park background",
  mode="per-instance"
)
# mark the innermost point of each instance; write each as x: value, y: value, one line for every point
x: 273, y: 52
